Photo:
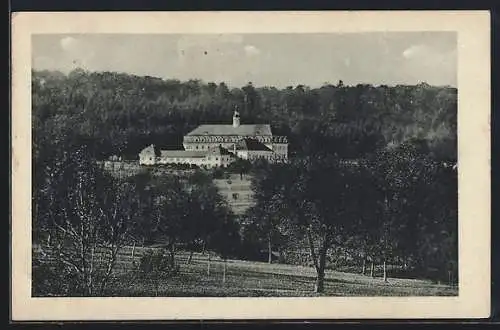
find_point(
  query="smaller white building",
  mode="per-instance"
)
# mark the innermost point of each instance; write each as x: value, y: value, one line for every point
x: 147, y: 156
x: 252, y: 149
x: 214, y: 157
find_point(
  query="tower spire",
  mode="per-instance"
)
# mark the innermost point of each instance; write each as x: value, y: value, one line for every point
x: 236, y: 118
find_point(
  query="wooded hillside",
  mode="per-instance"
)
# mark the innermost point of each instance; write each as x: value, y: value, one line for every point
x: 120, y: 113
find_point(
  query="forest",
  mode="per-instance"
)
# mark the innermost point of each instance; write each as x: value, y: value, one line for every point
x: 372, y: 171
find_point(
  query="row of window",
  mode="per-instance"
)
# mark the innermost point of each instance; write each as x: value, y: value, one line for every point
x: 202, y: 159
x: 232, y: 139
x: 203, y: 147
x: 268, y: 157
x: 209, y: 158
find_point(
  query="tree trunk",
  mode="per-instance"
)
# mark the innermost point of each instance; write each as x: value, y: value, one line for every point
x: 133, y: 252
x: 364, y: 266
x: 385, y: 271
x: 319, y: 287
x: 208, y: 264
x: 372, y: 269
x: 224, y: 272
x: 172, y: 255
x: 320, y: 276
x: 269, y: 250
x: 319, y: 261
x: 189, y: 258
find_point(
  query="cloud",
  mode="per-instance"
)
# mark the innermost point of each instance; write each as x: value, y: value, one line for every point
x: 427, y: 55
x: 76, y: 52
x: 415, y: 51
x: 426, y: 63
x: 251, y: 50
x: 68, y: 43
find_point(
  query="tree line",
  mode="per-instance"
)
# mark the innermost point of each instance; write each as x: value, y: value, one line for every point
x: 119, y: 114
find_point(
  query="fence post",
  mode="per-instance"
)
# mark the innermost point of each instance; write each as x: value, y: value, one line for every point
x: 133, y: 252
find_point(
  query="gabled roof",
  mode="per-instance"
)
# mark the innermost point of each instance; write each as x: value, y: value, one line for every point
x: 245, y: 130
x: 251, y: 145
x: 148, y: 149
x: 219, y: 151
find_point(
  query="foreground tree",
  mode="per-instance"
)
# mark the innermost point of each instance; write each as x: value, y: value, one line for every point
x: 87, y: 219
x: 317, y: 203
x: 418, y: 204
x: 171, y: 220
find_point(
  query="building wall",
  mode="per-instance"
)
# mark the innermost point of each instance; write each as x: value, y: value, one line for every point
x: 281, y: 150
x: 207, y: 146
x: 207, y: 161
x: 201, y: 143
x: 218, y: 160
x: 243, y: 154
x: 256, y: 154
x: 217, y: 139
x: 147, y: 156
x: 180, y: 160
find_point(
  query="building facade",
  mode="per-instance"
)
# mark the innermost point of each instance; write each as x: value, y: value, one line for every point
x: 219, y: 145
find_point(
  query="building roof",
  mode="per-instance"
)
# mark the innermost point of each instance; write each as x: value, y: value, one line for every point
x: 148, y: 149
x: 251, y: 145
x: 182, y: 154
x: 242, y: 130
x: 219, y: 151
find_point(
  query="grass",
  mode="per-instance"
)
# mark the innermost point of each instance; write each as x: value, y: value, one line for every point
x: 254, y: 279
x: 258, y: 279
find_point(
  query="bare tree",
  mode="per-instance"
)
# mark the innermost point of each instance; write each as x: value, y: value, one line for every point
x: 90, y: 225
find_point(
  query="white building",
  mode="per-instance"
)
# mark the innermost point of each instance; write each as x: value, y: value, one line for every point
x: 219, y: 145
x: 232, y: 136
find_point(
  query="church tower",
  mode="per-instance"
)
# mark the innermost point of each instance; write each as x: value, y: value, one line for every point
x: 236, y: 119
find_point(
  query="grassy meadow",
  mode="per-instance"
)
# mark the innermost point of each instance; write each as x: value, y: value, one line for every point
x: 254, y: 279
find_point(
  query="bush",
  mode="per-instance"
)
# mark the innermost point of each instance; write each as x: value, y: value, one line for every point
x: 53, y: 279
x: 157, y: 262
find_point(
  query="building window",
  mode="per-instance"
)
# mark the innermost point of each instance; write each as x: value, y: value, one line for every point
x: 196, y: 147
x: 216, y: 158
x: 235, y: 196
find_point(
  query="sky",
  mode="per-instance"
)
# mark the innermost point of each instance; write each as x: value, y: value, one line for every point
x: 278, y: 60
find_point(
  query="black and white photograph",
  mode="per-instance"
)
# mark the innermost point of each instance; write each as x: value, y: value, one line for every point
x: 245, y: 165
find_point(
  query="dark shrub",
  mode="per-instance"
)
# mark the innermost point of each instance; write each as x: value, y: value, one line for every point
x: 158, y: 262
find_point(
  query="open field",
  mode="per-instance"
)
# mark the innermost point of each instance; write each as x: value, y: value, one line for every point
x: 237, y: 191
x: 252, y: 279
